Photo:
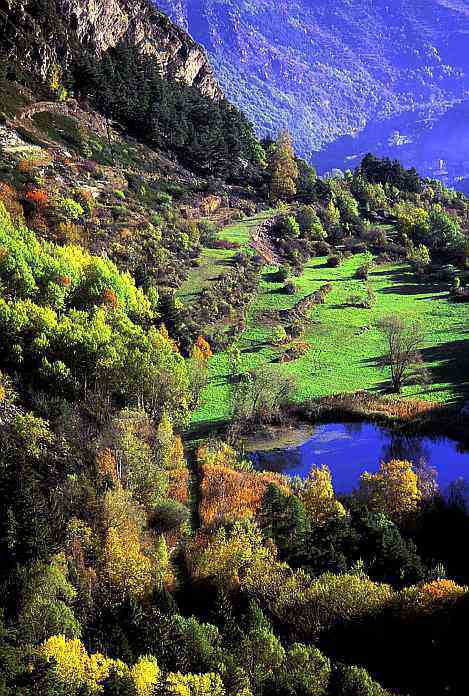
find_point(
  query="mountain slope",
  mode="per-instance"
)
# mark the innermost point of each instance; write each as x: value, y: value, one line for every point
x: 327, y: 69
x: 39, y: 34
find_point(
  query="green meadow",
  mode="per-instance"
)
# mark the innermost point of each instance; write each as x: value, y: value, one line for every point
x: 345, y: 343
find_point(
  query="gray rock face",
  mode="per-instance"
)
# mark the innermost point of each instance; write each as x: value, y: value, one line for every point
x: 72, y: 26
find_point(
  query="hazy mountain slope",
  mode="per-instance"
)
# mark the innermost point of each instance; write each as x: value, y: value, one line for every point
x: 331, y: 67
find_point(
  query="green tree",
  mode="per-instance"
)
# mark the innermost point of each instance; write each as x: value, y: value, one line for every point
x: 45, y: 599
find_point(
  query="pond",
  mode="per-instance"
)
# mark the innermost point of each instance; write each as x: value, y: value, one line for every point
x: 348, y: 449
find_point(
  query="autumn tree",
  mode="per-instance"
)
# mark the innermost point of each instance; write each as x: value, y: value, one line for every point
x: 393, y: 490
x: 126, y: 568
x: 229, y: 556
x: 283, y: 169
x: 403, y: 358
x: 318, y: 496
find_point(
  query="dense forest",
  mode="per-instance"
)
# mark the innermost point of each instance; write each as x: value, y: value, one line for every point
x: 165, y: 280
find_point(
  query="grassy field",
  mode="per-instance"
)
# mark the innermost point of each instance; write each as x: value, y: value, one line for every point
x: 216, y: 262
x: 345, y: 344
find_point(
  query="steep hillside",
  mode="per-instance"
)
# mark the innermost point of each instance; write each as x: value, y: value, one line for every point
x: 40, y: 34
x: 328, y: 69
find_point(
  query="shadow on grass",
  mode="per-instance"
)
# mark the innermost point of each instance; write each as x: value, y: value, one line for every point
x: 203, y: 429
x: 271, y: 277
x: 406, y: 283
x: 255, y: 347
x: 448, y: 364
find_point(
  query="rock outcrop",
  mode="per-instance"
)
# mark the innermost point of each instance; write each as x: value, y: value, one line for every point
x: 38, y: 34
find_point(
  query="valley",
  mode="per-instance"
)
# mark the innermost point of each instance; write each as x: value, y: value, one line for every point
x: 344, y: 77
x: 234, y: 391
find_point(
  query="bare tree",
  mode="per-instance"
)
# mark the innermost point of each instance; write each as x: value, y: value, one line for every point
x: 403, y: 357
x: 262, y: 397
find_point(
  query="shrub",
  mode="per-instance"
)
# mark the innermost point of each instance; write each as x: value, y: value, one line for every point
x: 282, y: 274
x: 362, y: 272
x: 164, y: 199
x: 238, y: 215
x: 228, y: 495
x: 168, y: 515
x: 291, y: 227
x: 323, y: 249
x: 295, y: 351
x: 289, y: 287
x: 86, y: 199
x: 38, y: 197
x: 279, y: 335
x: 70, y: 209
x: 334, y: 261
x: 69, y: 233
x: 207, y: 231
x: 447, y: 273
x: 28, y: 165
x: 222, y: 244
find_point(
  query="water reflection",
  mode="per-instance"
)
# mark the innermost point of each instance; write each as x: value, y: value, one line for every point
x: 410, y: 447
x: 348, y: 449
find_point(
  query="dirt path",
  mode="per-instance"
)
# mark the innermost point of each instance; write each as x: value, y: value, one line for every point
x: 261, y: 243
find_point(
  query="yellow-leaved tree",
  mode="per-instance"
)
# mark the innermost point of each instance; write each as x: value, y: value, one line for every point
x: 283, y: 169
x: 127, y: 569
x: 230, y: 556
x: 145, y: 675
x: 393, y: 490
x: 194, y: 685
x: 81, y: 672
x: 73, y: 666
x: 318, y: 496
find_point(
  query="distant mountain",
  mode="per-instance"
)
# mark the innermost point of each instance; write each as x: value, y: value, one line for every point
x: 383, y: 70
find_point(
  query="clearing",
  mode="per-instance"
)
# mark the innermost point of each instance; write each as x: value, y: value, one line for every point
x: 345, y: 345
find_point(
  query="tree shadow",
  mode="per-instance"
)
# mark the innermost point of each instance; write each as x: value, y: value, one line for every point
x: 448, y: 363
x: 406, y: 283
x: 271, y: 277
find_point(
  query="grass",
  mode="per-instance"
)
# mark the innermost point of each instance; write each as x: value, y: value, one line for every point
x: 216, y: 262
x: 345, y: 344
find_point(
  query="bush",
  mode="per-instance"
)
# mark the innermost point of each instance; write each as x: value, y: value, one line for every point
x: 291, y: 227
x: 362, y: 272
x: 70, y: 209
x: 223, y: 244
x: 289, y: 287
x: 282, y: 274
x: 448, y: 273
x: 335, y: 260
x: 208, y: 232
x: 323, y: 249
x: 295, y: 350
x: 279, y: 335
x: 168, y: 515
x: 164, y: 199
x: 86, y: 199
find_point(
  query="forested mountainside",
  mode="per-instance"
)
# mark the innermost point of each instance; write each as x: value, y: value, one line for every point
x: 169, y: 287
x: 381, y: 72
x: 39, y: 34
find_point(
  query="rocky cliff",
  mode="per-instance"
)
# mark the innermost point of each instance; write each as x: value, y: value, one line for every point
x: 38, y: 34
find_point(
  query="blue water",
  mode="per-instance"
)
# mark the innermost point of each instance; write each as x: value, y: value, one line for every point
x: 350, y: 449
